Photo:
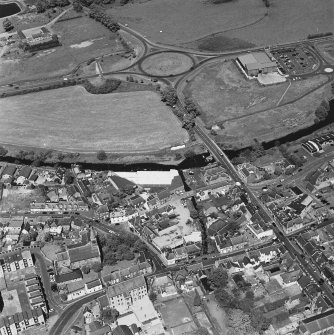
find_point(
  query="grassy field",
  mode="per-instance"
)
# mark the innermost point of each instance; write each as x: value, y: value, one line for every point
x: 167, y: 63
x: 326, y: 48
x: 70, y: 119
x: 225, y: 94
x: 274, y: 123
x: 188, y: 20
x: 81, y: 39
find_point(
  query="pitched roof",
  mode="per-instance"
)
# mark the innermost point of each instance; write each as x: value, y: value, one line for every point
x: 122, y: 330
x: 126, y: 286
x: 318, y: 323
x: 66, y: 277
x: 84, y: 252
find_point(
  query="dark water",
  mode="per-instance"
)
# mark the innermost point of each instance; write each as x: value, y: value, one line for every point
x: 8, y: 9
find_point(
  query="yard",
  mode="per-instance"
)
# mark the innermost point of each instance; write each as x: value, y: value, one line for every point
x: 81, y: 39
x: 175, y: 313
x: 225, y: 94
x: 70, y: 119
x: 177, y: 22
x: 18, y: 199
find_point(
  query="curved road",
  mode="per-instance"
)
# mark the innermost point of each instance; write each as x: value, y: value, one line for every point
x: 68, y: 313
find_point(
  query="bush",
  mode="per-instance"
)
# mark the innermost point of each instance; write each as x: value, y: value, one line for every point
x: 97, y: 267
x: 101, y: 155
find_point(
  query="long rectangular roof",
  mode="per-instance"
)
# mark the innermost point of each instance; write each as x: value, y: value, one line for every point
x: 126, y: 287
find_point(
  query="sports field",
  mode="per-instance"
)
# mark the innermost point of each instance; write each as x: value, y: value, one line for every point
x: 70, y: 119
x: 177, y: 22
x: 224, y: 93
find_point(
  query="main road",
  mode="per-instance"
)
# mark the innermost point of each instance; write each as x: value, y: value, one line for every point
x: 221, y: 158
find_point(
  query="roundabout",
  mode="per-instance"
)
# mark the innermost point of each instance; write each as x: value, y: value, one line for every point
x: 166, y: 63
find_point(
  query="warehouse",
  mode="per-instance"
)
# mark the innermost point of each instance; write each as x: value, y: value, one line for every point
x: 257, y: 62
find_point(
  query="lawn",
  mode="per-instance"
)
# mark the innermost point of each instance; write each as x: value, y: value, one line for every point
x: 326, y: 48
x: 225, y: 94
x: 70, y: 119
x: 177, y: 22
x: 81, y: 39
x: 166, y: 63
x: 11, y: 302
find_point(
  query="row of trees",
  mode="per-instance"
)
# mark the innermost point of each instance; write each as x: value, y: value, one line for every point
x: 97, y: 14
x: 42, y: 6
x: 108, y: 86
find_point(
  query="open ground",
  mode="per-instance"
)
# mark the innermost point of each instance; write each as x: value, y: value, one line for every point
x: 177, y: 22
x: 326, y: 48
x: 273, y: 123
x: 224, y: 93
x: 166, y: 63
x: 70, y: 119
x: 81, y: 38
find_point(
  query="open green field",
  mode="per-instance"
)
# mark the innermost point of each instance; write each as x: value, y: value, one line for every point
x: 225, y: 94
x: 189, y: 20
x: 70, y: 119
x: 326, y: 49
x: 81, y: 39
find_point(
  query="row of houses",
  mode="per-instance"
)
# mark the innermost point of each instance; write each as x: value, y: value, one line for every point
x: 14, y: 324
x: 14, y: 261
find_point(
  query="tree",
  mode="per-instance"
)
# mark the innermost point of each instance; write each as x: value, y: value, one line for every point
x: 3, y: 151
x: 197, y: 299
x: 26, y: 239
x: 47, y: 237
x: 189, y: 154
x: 224, y: 298
x: 258, y: 321
x: 85, y: 269
x: 140, y: 245
x: 41, y: 6
x: 153, y: 296
x: 7, y: 24
x: 169, y: 96
x: 33, y: 234
x: 218, y: 277
x: 77, y: 6
x: 97, y: 267
x: 110, y: 315
x: 54, y: 287
x: 101, y: 155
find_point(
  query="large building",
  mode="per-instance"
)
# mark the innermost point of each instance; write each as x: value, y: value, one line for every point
x: 124, y: 294
x: 257, y: 62
x: 319, y: 324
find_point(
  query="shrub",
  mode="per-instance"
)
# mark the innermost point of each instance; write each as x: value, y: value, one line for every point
x: 101, y: 155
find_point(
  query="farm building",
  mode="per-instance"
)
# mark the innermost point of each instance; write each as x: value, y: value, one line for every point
x: 257, y: 62
x: 39, y: 38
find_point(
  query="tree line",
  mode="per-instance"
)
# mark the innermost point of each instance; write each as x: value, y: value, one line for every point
x: 42, y: 6
x: 108, y: 86
x: 97, y: 14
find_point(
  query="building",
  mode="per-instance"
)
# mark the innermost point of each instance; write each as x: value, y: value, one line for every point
x: 317, y: 144
x: 69, y: 277
x: 12, y: 325
x: 37, y: 39
x: 23, y: 175
x: 83, y: 254
x: 319, y: 324
x: 93, y: 286
x: 14, y: 261
x: 257, y: 62
x: 124, y: 294
x: 8, y: 173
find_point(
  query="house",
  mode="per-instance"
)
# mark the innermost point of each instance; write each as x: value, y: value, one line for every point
x: 93, y: 286
x: 13, y: 324
x: 23, y: 175
x: 16, y: 260
x: 75, y: 290
x: 87, y: 254
x: 122, y: 330
x: 122, y: 295
x: 8, y: 173
x: 14, y: 228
